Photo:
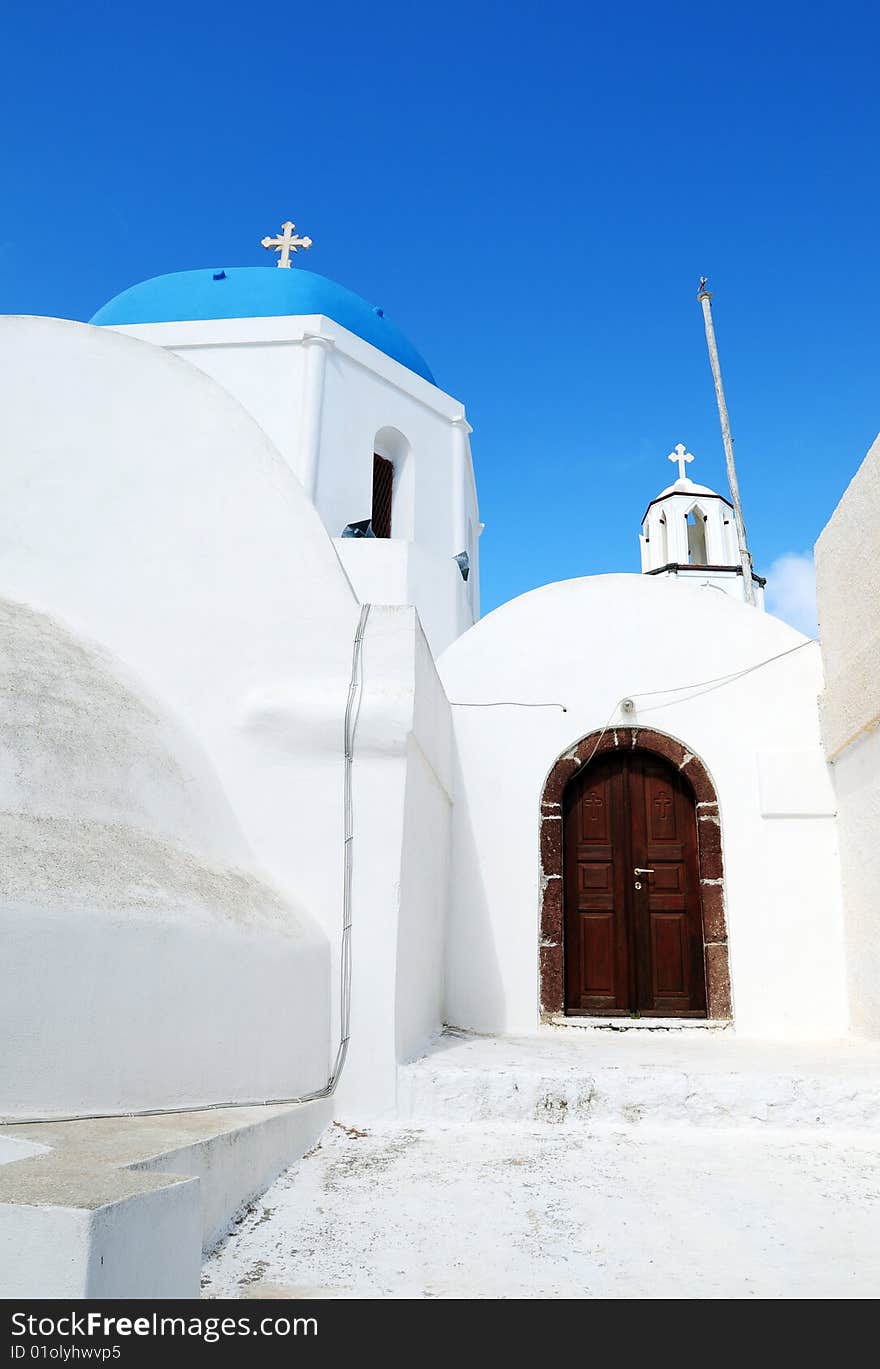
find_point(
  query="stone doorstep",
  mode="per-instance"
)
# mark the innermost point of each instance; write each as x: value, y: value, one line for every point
x: 124, y: 1207
x: 625, y: 1024
x: 604, y: 1078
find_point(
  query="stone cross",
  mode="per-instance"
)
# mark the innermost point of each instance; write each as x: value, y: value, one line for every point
x: 286, y: 242
x: 681, y: 455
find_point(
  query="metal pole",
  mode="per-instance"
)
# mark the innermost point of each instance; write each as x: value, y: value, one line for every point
x: 705, y: 299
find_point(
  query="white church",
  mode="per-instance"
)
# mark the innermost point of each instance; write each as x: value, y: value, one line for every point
x: 279, y: 806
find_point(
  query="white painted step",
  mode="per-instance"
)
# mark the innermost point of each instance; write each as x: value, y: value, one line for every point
x: 577, y: 1079
x: 451, y: 1211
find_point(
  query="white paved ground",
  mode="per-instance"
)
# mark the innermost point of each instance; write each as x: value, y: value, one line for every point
x: 427, y: 1209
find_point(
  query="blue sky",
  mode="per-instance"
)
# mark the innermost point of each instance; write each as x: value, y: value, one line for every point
x: 531, y: 193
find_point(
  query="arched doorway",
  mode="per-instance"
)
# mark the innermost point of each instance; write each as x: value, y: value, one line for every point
x: 579, y: 761
x: 633, y: 923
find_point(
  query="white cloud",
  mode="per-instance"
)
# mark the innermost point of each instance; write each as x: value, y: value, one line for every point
x: 791, y: 591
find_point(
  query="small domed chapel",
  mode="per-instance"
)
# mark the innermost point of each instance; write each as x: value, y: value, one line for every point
x: 279, y: 805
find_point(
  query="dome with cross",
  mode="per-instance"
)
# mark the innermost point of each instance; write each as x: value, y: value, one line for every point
x: 684, y: 485
x: 258, y: 292
x: 706, y: 533
x: 690, y: 530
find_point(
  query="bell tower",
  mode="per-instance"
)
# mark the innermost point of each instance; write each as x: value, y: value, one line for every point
x: 689, y: 532
x: 350, y: 405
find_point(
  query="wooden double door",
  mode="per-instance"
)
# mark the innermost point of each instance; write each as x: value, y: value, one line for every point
x: 633, y: 920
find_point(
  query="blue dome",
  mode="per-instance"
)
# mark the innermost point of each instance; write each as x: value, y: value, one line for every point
x: 258, y: 292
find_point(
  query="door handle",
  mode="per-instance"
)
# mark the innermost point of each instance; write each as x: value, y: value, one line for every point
x: 638, y: 871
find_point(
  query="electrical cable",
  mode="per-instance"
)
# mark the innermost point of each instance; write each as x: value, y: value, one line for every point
x: 601, y: 735
x: 504, y: 703
x: 352, y: 714
x: 725, y: 679
x: 694, y: 691
x: 702, y: 685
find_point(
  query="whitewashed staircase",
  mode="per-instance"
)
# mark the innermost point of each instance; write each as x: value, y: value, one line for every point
x: 582, y: 1078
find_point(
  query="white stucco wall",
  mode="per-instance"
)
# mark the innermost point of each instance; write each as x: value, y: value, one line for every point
x: 394, y: 571
x: 148, y: 512
x: 402, y: 806
x: 586, y: 644
x: 856, y: 772
x: 146, y: 963
x: 848, y: 591
x: 328, y: 400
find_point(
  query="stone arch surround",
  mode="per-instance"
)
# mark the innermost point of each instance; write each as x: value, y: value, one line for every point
x: 710, y: 859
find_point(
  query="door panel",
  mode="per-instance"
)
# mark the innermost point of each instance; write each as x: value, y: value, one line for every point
x: 629, y: 949
x: 669, y: 957
x: 596, y: 952
x: 597, y: 956
x: 666, y: 911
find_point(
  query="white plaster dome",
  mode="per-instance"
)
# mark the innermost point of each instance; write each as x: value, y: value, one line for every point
x: 688, y: 486
x: 147, y: 964
x: 104, y: 800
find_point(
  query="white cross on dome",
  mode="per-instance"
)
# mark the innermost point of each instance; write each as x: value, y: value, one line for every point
x: 681, y: 455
